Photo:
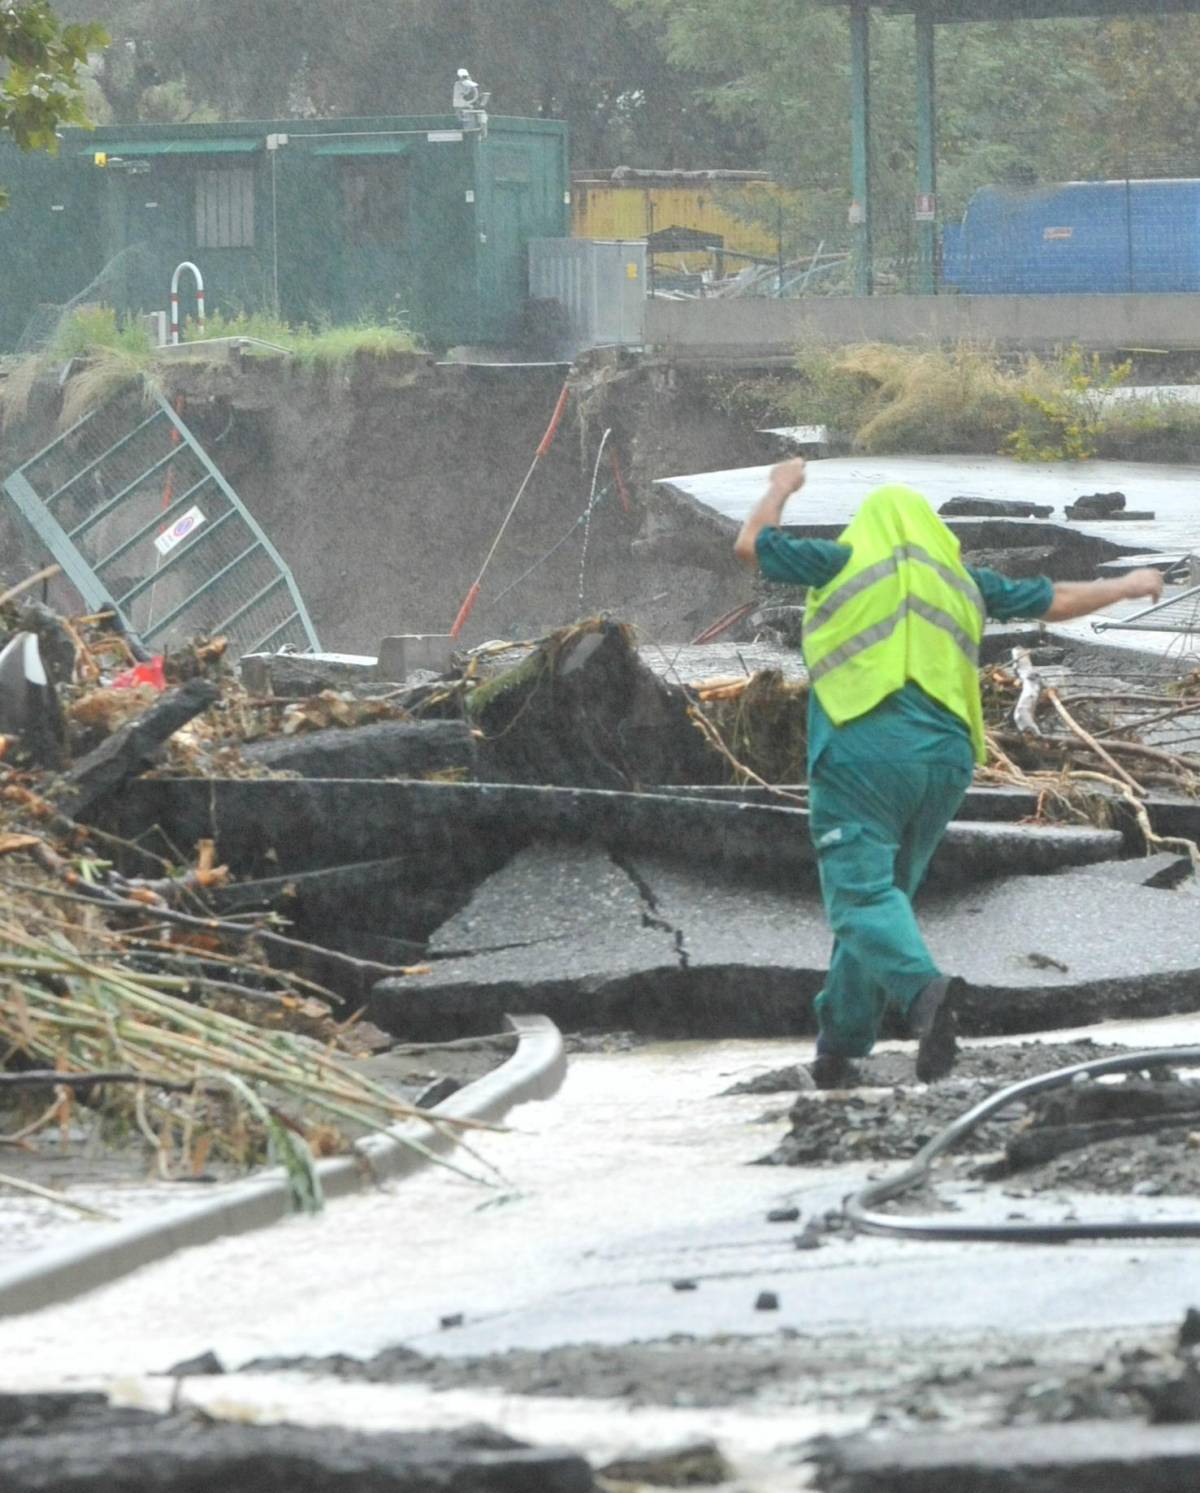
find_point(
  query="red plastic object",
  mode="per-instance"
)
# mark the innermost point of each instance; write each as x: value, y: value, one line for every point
x: 555, y: 419
x: 150, y: 673
x: 465, y: 610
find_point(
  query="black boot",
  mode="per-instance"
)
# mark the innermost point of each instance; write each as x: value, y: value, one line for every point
x: 933, y: 1020
x: 831, y: 1071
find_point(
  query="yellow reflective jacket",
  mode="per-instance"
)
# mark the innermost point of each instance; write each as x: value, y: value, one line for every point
x: 902, y: 608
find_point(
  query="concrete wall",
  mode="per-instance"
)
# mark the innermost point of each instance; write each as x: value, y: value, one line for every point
x: 757, y: 328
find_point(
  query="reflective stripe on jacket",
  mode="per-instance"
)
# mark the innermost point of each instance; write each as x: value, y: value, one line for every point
x: 902, y: 608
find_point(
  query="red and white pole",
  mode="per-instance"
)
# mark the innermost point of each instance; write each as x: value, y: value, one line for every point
x: 179, y: 268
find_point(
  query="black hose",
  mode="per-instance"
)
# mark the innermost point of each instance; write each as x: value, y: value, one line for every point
x: 859, y: 1209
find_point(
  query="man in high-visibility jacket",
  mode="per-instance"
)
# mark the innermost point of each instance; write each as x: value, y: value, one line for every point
x: 895, y: 727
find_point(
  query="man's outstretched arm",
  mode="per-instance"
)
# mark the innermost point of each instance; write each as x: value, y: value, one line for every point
x: 785, y: 479
x: 1079, y: 598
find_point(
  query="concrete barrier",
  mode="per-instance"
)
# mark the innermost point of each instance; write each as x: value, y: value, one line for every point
x: 767, y: 328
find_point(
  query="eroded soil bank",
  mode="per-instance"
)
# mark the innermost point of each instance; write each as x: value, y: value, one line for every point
x: 384, y: 482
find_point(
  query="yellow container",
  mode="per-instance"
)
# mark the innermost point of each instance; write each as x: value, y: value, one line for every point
x: 739, y: 213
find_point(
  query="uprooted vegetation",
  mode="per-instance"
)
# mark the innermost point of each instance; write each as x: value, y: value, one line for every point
x: 582, y: 707
x: 128, y: 1007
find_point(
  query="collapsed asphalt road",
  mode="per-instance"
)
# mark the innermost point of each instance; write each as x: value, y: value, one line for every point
x: 614, y: 1290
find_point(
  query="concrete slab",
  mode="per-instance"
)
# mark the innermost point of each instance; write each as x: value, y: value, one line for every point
x: 92, y: 1453
x: 264, y: 827
x: 714, y: 955
x: 645, y: 946
x: 1077, y: 949
x: 1083, y: 1457
x: 836, y: 487
x: 384, y: 749
x: 544, y: 894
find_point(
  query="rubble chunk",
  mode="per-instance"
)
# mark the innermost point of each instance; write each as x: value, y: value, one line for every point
x: 1083, y: 1457
x: 971, y: 507
x: 695, y: 1464
x: 133, y: 748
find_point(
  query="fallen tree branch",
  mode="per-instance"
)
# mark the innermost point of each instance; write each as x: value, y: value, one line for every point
x: 1005, y: 762
x: 30, y: 581
x: 1047, y: 743
x: 133, y: 748
x: 1026, y: 708
x: 48, y: 1193
x: 364, y: 972
x: 1151, y: 720
x: 1091, y: 742
x: 1153, y: 840
x: 717, y: 742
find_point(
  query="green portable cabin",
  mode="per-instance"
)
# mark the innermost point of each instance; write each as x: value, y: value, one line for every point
x: 419, y: 220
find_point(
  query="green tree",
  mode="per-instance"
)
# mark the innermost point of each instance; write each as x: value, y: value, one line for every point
x: 1141, y: 114
x: 590, y: 62
x: 40, y: 72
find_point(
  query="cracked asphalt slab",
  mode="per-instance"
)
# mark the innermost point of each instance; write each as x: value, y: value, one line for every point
x: 563, y: 1282
x: 646, y: 942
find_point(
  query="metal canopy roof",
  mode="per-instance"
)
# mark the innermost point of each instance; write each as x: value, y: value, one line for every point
x: 945, y: 11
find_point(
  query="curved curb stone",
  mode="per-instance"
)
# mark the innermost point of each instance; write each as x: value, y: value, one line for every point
x: 535, y: 1071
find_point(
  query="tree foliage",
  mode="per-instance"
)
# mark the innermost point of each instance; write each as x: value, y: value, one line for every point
x: 40, y: 64
x: 586, y: 61
x: 689, y: 83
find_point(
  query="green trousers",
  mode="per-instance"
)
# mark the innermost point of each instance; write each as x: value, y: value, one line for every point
x: 875, y: 825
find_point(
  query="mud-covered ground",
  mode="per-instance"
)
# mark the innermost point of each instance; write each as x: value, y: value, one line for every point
x: 878, y: 1123
x: 894, y: 1386
x: 383, y: 485
x: 1154, y: 1378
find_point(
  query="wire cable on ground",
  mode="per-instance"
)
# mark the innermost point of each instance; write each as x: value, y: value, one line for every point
x: 587, y: 525
x: 552, y: 551
x: 860, y: 1208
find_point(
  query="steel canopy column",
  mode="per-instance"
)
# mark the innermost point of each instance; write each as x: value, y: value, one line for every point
x: 926, y: 201
x: 860, y: 145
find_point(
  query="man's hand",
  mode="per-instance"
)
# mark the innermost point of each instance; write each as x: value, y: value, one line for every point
x: 1079, y: 598
x: 788, y: 477
x: 1139, y: 583
x: 784, y: 479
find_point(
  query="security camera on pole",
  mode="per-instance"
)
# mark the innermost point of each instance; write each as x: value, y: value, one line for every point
x: 470, y: 102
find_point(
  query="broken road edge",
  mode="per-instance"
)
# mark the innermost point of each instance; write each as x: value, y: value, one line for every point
x: 535, y: 1071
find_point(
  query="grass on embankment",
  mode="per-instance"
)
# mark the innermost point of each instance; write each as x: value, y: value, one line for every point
x: 321, y: 346
x: 115, y: 352
x: 881, y: 398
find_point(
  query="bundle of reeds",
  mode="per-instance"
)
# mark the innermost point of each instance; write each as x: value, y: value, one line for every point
x: 198, y: 1083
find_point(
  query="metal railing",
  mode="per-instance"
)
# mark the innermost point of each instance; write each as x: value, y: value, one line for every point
x: 143, y: 523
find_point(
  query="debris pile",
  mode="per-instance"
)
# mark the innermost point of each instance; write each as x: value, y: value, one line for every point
x: 885, y: 1121
x: 125, y: 996
x: 586, y: 707
x: 172, y: 965
x: 1160, y: 1385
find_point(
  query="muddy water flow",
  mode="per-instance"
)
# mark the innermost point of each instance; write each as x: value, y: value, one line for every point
x: 567, y: 1276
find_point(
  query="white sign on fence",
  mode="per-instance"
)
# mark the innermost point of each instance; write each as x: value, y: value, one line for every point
x: 187, y: 523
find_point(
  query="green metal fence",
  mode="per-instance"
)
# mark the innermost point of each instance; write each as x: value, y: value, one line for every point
x: 142, y: 521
